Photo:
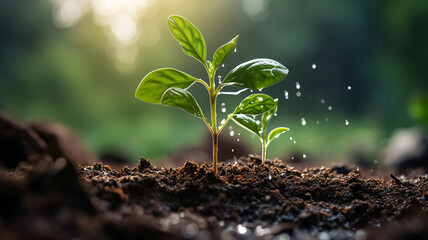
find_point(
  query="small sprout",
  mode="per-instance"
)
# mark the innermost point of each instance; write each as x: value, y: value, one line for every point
x: 168, y: 86
x: 258, y: 127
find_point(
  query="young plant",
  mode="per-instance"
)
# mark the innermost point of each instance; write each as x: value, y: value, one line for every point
x: 168, y: 86
x: 259, y: 127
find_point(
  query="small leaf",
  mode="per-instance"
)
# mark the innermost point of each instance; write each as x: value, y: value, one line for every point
x: 181, y: 98
x: 256, y: 74
x: 267, y: 116
x: 275, y: 133
x: 248, y: 123
x: 154, y: 84
x: 223, y: 52
x: 189, y: 37
x: 255, y: 104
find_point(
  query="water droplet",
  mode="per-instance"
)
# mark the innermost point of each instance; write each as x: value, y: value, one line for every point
x: 235, y: 49
x: 349, y: 87
x: 376, y: 161
x: 219, y: 79
x: 241, y: 229
x: 303, y: 121
x: 326, y: 119
x: 275, y: 114
x: 223, y: 107
x: 260, y: 99
x: 314, y: 66
x: 304, y: 155
x: 260, y: 89
x: 258, y: 122
x: 297, y: 85
x: 233, y: 150
x: 322, y: 100
x: 251, y: 90
x: 330, y: 108
x: 286, y: 94
x: 232, y: 133
x: 270, y: 177
x: 223, y: 121
x: 298, y: 94
x: 346, y: 122
x: 237, y: 139
x: 222, y: 65
x: 294, y: 142
x: 291, y: 138
x: 239, y: 134
x: 292, y: 158
x: 317, y: 122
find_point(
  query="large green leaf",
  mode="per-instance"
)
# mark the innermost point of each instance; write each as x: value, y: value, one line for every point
x: 267, y: 116
x: 275, y: 133
x: 248, y: 123
x: 223, y: 52
x: 154, y: 84
x: 189, y: 37
x: 255, y: 104
x: 181, y: 98
x: 256, y: 74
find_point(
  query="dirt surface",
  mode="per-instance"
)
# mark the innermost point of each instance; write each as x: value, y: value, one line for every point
x: 57, y: 200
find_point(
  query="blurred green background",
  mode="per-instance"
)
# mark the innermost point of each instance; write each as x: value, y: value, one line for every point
x: 79, y: 62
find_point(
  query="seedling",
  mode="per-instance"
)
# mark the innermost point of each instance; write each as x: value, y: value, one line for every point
x: 258, y: 127
x: 168, y: 86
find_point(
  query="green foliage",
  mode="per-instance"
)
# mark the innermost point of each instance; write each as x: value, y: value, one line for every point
x: 168, y: 86
x: 258, y: 127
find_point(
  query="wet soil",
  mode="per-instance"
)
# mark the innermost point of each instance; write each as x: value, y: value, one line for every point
x: 54, y: 199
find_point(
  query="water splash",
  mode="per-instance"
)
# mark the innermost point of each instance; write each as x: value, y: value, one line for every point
x: 223, y: 107
x: 234, y: 93
x: 314, y: 66
x: 286, y: 94
x: 297, y: 85
x: 303, y: 120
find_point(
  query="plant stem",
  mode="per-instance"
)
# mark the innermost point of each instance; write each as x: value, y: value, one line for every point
x: 215, y: 132
x: 264, y: 151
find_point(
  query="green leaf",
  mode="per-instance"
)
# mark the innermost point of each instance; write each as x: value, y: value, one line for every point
x: 255, y: 104
x: 248, y: 123
x: 256, y: 74
x: 275, y: 133
x: 181, y: 98
x: 223, y: 52
x: 154, y: 84
x: 189, y: 37
x: 267, y: 116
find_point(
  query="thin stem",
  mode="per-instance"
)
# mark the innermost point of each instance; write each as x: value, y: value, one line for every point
x: 264, y: 151
x: 203, y: 83
x: 208, y: 124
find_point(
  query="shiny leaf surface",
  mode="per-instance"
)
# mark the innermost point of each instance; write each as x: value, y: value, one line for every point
x: 181, y: 98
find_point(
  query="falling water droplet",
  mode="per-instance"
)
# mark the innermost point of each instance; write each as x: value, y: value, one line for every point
x: 297, y: 85
x: 291, y: 138
x: 223, y: 107
x: 241, y: 229
x: 375, y: 161
x: 275, y: 114
x: 258, y: 122
x: 231, y: 133
x: 286, y: 94
x: 233, y: 150
x: 326, y: 119
x: 219, y: 79
x: 239, y: 134
x: 322, y: 100
x: 303, y: 120
x: 270, y: 177
x: 349, y: 87
x: 314, y: 66
x: 251, y: 90
x: 260, y: 89
x: 346, y: 122
x: 237, y: 139
x: 222, y: 65
x: 317, y: 122
x: 223, y: 121
x: 330, y: 108
x: 298, y: 94
x: 235, y: 49
x: 304, y: 155
x: 294, y: 142
x: 260, y: 99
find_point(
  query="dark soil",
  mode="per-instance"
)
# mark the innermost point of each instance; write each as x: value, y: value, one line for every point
x: 45, y: 195
x: 52, y: 200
